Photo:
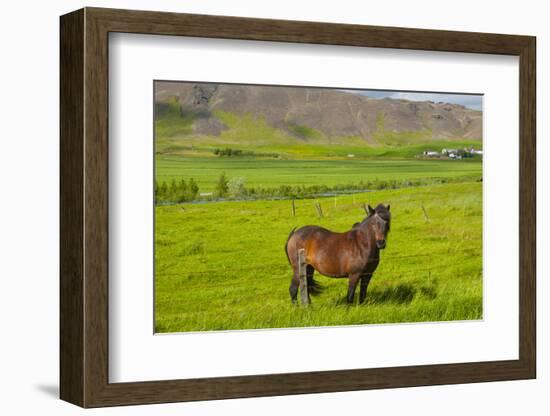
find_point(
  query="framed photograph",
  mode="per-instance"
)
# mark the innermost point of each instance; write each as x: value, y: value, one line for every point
x: 255, y: 207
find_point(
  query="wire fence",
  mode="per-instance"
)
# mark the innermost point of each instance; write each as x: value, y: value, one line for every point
x: 280, y: 270
x: 388, y: 258
x: 391, y: 272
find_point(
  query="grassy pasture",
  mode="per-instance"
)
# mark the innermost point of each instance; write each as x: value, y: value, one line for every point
x: 221, y: 265
x: 274, y: 172
x: 307, y: 149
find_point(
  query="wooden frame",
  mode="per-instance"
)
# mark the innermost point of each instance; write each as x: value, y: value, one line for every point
x: 84, y: 207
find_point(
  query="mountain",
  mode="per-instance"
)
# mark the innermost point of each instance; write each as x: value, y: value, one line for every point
x: 330, y: 113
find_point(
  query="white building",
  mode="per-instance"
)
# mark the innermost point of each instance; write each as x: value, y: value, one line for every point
x: 449, y: 152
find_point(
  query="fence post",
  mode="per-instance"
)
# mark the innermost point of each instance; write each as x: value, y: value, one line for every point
x: 425, y: 214
x: 304, y: 297
x: 293, y: 208
x: 318, y: 209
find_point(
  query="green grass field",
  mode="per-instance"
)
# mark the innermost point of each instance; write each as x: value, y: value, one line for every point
x: 275, y: 172
x: 221, y: 265
x: 205, y: 146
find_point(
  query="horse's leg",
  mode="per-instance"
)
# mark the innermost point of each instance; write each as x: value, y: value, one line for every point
x: 309, y: 276
x: 365, y: 280
x: 353, y: 278
x: 294, y: 285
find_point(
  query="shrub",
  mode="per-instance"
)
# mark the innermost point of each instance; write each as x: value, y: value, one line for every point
x: 236, y: 187
x: 222, y: 187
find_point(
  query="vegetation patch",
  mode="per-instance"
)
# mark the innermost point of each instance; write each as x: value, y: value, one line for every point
x: 171, y: 122
x: 230, y: 152
x: 304, y: 132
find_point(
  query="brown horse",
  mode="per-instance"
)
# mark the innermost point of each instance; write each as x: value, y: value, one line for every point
x: 354, y: 254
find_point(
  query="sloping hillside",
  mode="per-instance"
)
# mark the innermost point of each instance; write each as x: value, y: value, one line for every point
x: 306, y: 113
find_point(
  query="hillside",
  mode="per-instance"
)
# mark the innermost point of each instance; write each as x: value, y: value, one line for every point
x: 303, y: 114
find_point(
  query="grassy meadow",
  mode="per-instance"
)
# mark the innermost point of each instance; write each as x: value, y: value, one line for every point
x: 222, y: 266
x: 260, y: 172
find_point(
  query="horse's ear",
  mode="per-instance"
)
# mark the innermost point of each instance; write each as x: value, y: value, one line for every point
x: 370, y: 210
x: 388, y: 207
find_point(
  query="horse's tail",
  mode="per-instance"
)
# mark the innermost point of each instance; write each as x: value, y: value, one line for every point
x: 313, y: 286
x: 286, y: 245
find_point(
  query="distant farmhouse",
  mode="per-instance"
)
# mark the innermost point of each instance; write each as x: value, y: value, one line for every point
x: 453, y: 153
x: 431, y: 153
x: 456, y: 154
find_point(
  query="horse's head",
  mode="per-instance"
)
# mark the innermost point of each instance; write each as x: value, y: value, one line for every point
x: 379, y: 218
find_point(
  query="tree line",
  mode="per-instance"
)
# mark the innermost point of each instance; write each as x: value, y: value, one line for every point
x: 176, y: 191
x: 235, y: 188
x: 230, y: 152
